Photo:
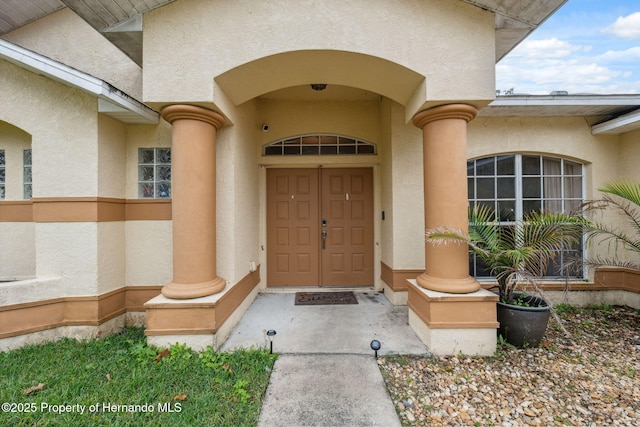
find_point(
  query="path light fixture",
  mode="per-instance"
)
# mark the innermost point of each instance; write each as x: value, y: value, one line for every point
x: 271, y: 333
x: 375, y: 346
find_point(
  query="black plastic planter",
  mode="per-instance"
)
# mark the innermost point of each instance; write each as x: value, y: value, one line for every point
x: 524, y: 326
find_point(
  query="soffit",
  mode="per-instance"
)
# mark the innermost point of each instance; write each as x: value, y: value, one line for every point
x: 607, y: 114
x: 516, y: 19
x: 120, y: 21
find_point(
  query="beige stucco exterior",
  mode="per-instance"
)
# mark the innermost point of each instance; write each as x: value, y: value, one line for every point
x: 274, y: 28
x: 87, y: 251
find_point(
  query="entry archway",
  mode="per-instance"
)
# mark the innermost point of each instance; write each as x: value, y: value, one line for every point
x: 335, y: 67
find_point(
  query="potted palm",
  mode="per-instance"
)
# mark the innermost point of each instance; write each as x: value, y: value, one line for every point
x: 518, y: 255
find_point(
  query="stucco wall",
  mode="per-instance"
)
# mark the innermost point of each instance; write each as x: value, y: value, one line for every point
x: 63, y: 126
x: 630, y: 156
x: 149, y: 252
x: 237, y: 204
x: 69, y: 250
x: 17, y: 250
x: 65, y: 37
x: 357, y: 119
x: 62, y: 123
x: 450, y: 43
x: 408, y: 193
x: 149, y: 244
x: 112, y: 144
x: 110, y: 256
x: 386, y: 183
x: 568, y: 137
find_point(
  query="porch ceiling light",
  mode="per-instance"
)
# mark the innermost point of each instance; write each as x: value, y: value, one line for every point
x: 271, y: 333
x: 318, y: 86
x: 375, y: 346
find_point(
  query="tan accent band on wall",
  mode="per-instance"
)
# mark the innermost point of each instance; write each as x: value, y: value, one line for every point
x: 397, y: 279
x: 16, y: 211
x: 148, y: 210
x: 617, y: 278
x: 85, y: 209
x: 20, y: 319
x: 198, y: 318
x: 77, y: 209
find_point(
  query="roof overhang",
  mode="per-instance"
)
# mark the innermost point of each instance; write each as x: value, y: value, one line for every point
x: 111, y: 101
x: 607, y: 114
x: 121, y: 22
x: 516, y: 19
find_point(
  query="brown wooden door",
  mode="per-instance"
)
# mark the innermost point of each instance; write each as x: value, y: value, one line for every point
x: 347, y: 208
x: 299, y: 202
x: 292, y: 227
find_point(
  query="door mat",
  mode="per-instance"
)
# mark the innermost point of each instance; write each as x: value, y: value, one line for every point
x: 325, y: 298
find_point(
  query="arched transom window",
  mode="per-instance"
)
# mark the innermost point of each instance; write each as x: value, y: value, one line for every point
x: 513, y: 185
x: 309, y: 145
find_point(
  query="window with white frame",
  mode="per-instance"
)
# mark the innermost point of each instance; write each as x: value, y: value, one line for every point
x: 515, y: 184
x: 26, y: 174
x: 322, y: 144
x: 154, y: 172
x: 2, y: 174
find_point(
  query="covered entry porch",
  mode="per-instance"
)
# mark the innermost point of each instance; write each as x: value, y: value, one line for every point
x: 446, y: 307
x: 418, y: 175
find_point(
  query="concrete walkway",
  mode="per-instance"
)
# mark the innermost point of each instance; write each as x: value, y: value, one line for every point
x: 326, y: 373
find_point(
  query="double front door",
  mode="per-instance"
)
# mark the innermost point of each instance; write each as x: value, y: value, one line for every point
x: 320, y: 227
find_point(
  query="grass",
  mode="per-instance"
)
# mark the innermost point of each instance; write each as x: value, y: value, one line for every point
x: 120, y: 381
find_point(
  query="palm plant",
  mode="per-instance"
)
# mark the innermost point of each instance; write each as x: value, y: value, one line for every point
x: 516, y: 253
x: 623, y: 198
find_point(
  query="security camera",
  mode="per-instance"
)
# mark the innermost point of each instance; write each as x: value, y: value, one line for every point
x: 265, y: 128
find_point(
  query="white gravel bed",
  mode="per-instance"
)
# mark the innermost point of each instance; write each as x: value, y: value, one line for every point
x: 590, y: 378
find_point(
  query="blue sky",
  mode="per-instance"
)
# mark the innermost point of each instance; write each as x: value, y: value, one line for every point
x: 588, y: 46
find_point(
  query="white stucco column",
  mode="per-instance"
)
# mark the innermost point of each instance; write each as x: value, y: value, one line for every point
x: 193, y: 181
x: 444, y: 131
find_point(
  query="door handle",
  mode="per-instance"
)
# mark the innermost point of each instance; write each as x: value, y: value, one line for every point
x: 324, y: 239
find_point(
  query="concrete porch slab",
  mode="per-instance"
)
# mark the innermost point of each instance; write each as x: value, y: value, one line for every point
x: 335, y: 329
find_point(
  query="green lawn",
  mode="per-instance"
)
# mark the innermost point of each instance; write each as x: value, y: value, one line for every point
x: 121, y: 381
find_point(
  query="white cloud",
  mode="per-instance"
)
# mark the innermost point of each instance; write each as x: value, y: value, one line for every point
x: 549, y: 48
x: 575, y: 56
x: 627, y: 27
x: 629, y: 55
x: 539, y: 67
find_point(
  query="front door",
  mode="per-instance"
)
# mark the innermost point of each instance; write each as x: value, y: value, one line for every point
x: 320, y: 227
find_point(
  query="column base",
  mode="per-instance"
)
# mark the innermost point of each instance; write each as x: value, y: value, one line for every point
x: 175, y: 290
x: 450, y: 324
x: 450, y: 286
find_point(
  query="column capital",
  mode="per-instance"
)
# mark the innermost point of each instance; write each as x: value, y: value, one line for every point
x: 442, y: 112
x: 175, y: 112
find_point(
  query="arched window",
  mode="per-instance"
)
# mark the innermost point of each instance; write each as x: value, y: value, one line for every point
x: 309, y: 145
x: 515, y: 184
